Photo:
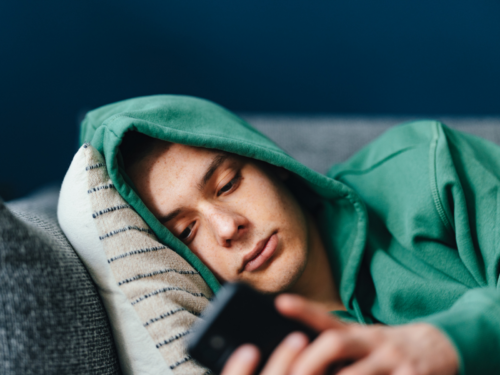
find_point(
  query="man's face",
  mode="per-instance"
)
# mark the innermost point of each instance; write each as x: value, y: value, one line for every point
x: 234, y: 213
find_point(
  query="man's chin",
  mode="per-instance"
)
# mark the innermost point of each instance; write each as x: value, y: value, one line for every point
x: 280, y: 276
x: 275, y: 285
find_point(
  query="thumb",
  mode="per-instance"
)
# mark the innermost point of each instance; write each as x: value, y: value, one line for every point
x: 307, y: 312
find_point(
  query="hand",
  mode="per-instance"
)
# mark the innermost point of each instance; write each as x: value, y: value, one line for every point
x: 416, y: 349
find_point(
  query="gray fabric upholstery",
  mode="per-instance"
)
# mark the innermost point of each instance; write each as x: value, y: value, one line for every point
x: 52, y: 320
x: 320, y: 141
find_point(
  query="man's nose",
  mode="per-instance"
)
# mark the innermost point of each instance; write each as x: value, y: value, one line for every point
x: 228, y: 227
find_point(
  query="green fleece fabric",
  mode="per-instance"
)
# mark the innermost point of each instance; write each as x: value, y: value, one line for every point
x: 410, y: 222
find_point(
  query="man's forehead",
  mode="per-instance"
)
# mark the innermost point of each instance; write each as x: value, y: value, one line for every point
x: 178, y: 175
x: 185, y: 156
x: 184, y: 166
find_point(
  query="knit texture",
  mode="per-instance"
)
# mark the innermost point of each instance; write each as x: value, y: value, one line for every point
x: 52, y: 320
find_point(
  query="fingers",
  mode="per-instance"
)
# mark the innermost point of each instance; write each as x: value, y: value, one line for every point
x: 298, y: 308
x: 331, y: 347
x: 243, y: 361
x: 283, y: 356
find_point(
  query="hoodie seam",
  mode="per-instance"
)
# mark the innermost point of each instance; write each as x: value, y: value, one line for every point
x: 433, y: 179
x: 358, y: 206
x: 373, y: 166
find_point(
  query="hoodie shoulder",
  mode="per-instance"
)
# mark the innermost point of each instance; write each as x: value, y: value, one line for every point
x: 393, y: 142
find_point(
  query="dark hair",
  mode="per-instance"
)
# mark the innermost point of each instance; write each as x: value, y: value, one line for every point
x: 136, y: 146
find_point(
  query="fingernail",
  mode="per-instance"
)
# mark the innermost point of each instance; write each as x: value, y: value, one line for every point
x: 286, y: 302
x: 247, y: 353
x: 288, y: 298
x: 296, y: 340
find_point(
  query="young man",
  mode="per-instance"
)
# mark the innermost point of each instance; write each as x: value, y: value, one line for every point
x: 403, y: 234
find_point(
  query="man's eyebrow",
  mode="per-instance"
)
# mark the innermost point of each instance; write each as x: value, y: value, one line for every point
x: 170, y: 216
x: 216, y: 163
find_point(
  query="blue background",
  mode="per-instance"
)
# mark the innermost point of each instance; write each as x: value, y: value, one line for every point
x: 62, y: 58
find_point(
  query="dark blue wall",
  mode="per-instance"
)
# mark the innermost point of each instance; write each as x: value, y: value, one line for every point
x: 61, y: 58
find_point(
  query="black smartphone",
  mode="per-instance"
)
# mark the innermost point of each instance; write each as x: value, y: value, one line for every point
x: 239, y: 315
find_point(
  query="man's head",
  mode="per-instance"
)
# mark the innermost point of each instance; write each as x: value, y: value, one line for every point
x: 234, y: 213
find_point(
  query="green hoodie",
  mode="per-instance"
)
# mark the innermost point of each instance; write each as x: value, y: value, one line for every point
x: 410, y: 221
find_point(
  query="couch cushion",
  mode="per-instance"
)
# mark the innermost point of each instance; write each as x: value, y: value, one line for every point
x: 52, y: 320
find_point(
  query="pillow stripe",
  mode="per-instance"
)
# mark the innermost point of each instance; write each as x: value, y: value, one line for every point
x: 167, y: 314
x: 121, y: 230
x: 135, y: 252
x: 110, y: 209
x: 97, y: 188
x: 168, y: 289
x: 94, y: 166
x: 172, y: 339
x: 185, y: 359
x: 160, y: 272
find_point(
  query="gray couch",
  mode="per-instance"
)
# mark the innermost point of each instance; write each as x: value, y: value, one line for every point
x: 52, y: 320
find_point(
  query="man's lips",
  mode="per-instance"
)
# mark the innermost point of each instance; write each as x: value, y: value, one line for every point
x: 260, y: 254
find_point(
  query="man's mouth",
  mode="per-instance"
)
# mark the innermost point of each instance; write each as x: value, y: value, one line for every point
x: 261, y: 253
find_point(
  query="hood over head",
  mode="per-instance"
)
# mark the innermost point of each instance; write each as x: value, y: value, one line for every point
x: 197, y: 122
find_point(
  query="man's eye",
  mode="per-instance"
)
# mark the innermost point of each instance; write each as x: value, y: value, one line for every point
x: 229, y: 185
x: 186, y: 232
x: 226, y: 187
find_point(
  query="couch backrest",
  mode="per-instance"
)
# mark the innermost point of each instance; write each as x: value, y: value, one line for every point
x: 51, y: 319
x: 320, y: 141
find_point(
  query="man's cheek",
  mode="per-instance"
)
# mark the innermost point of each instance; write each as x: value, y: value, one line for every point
x: 218, y: 261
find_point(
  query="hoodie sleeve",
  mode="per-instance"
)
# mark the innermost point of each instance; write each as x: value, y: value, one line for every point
x: 433, y: 247
x: 473, y: 326
x: 466, y: 190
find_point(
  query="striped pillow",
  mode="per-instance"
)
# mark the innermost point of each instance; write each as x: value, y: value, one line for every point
x: 151, y: 294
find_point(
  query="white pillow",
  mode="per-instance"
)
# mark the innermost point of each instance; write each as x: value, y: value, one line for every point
x: 151, y: 294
